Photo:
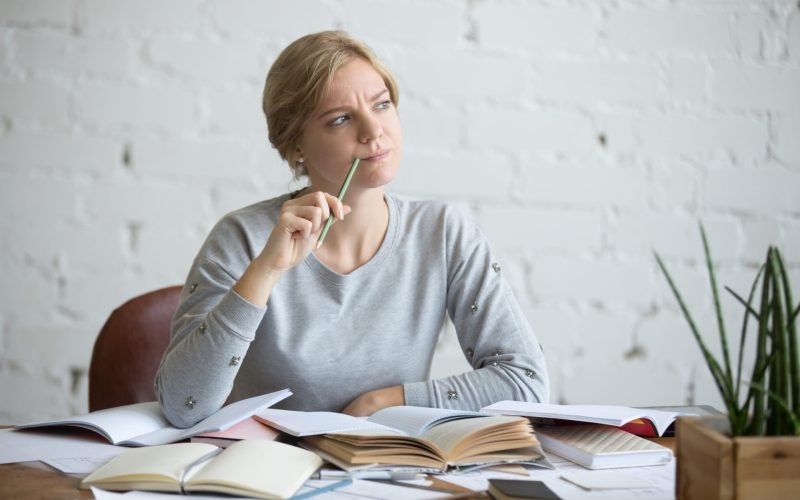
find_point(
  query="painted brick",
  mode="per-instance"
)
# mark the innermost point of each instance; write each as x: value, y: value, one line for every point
x: 191, y: 159
x: 442, y: 22
x: 755, y: 87
x: 207, y: 60
x: 25, y: 301
x: 34, y: 102
x: 33, y: 399
x: 785, y: 144
x: 456, y: 174
x: 793, y: 41
x: 593, y: 281
x: 592, y: 82
x: 156, y: 205
x: 471, y: 75
x: 6, y: 35
x: 65, y: 152
x: 429, y: 126
x: 26, y: 200
x: 135, y: 17
x: 272, y: 18
x: 128, y: 128
x: 69, y: 55
x: 526, y: 26
x: 167, y: 253
x: 759, y: 233
x: 790, y: 241
x: 675, y: 185
x: 669, y: 29
x: 677, y: 135
x: 235, y: 114
x: 538, y: 131
x: 44, y: 12
x: 585, y: 185
x: 65, y: 346
x: 638, y: 235
x: 553, y: 230
x: 232, y: 196
x: 767, y: 189
x: 688, y: 80
x: 163, y: 108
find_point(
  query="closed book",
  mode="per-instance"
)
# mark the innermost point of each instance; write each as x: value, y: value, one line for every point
x: 252, y: 468
x: 601, y: 447
x: 518, y: 489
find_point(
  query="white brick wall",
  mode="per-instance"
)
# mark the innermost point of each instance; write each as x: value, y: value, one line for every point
x: 581, y: 135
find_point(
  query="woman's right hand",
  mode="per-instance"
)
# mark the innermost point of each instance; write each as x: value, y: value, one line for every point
x: 292, y: 239
x: 296, y: 233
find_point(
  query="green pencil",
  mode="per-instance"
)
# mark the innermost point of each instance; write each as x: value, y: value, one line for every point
x: 342, y: 191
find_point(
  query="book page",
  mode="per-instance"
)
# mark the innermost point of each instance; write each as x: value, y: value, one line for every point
x: 415, y: 420
x: 312, y: 423
x: 221, y: 420
x: 451, y: 437
x: 256, y: 467
x: 116, y: 424
x: 598, y: 414
x: 154, y: 464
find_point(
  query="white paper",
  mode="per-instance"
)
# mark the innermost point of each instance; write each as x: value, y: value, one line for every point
x: 31, y: 445
x: 361, y: 489
x: 605, y: 480
x: 660, y: 481
x: 78, y: 465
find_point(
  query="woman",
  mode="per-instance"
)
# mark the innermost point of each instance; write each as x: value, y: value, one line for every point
x: 352, y: 325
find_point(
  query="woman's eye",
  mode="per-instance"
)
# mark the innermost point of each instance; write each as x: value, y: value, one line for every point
x: 384, y: 104
x: 339, y: 120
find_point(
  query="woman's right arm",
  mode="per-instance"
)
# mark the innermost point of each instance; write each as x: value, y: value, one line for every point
x: 224, y: 301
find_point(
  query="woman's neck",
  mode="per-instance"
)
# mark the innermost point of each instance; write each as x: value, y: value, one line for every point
x: 353, y: 242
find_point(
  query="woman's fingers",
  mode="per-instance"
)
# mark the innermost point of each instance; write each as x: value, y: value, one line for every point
x: 326, y: 201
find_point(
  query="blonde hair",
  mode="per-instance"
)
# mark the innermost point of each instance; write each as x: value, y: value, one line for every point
x: 299, y: 80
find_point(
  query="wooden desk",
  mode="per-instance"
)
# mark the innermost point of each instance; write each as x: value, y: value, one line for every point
x: 32, y: 480
x: 27, y: 480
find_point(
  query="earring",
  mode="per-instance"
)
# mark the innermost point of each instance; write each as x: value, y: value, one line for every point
x: 301, y: 162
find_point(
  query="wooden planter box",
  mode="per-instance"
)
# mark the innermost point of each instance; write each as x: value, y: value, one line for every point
x: 712, y: 465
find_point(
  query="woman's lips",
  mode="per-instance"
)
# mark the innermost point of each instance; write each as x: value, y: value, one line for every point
x: 380, y: 155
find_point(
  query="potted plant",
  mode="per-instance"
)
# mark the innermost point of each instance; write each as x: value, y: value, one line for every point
x: 756, y: 452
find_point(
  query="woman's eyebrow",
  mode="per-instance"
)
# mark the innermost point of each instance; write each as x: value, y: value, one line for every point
x: 339, y: 109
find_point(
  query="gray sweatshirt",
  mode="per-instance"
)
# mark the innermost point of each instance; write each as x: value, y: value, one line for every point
x: 331, y: 337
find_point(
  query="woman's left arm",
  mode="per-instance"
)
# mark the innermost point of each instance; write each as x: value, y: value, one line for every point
x: 494, y: 334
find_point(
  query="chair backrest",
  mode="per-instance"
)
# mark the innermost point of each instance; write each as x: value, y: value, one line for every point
x: 128, y: 349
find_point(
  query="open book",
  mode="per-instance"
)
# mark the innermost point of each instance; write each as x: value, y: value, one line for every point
x: 602, y: 447
x: 410, y: 437
x: 643, y: 422
x: 254, y: 468
x: 143, y: 424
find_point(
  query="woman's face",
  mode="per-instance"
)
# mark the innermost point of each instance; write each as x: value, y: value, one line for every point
x: 357, y: 119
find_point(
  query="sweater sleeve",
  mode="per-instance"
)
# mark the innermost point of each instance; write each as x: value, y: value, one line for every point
x: 494, y: 334
x: 211, y: 331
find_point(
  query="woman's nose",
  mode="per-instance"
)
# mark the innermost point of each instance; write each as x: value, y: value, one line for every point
x: 371, y: 129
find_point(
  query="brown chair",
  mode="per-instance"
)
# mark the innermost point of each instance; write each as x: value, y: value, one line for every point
x: 128, y: 349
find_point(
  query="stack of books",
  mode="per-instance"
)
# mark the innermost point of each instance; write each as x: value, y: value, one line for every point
x: 597, y: 436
